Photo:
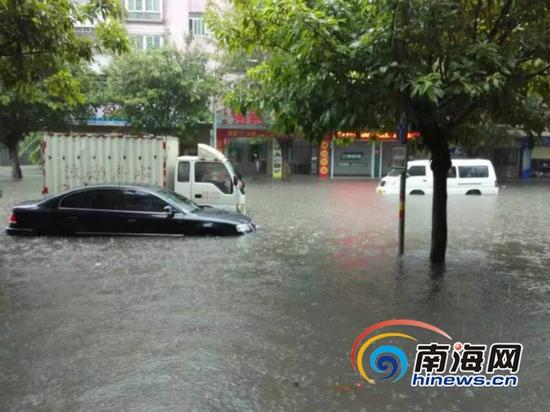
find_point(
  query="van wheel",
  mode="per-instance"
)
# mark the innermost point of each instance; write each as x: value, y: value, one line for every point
x: 473, y: 192
x: 416, y: 192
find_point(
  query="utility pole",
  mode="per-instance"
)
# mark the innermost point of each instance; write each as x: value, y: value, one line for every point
x: 404, y: 155
x: 213, y: 137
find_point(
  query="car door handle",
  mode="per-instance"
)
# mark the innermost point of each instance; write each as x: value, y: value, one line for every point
x: 198, y: 196
x: 132, y: 220
x: 73, y: 218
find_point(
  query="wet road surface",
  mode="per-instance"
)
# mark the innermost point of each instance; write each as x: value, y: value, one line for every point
x: 267, y: 321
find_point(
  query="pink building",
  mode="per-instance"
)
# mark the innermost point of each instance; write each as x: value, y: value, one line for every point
x: 152, y: 23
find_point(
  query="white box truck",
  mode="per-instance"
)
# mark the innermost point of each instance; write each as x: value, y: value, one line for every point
x: 72, y: 160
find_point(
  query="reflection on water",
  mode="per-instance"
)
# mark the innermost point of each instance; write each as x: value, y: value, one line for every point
x: 266, y: 322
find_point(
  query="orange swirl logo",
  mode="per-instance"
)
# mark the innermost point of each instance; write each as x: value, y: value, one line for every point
x: 387, y: 360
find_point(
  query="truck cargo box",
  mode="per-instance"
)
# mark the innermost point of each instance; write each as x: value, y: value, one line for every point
x: 73, y: 160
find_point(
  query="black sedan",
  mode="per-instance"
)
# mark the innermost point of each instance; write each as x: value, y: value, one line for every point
x: 123, y: 210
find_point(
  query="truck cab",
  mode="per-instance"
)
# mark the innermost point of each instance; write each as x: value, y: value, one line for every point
x: 210, y: 180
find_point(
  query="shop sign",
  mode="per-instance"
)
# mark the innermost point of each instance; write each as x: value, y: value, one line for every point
x: 399, y: 160
x: 324, y: 158
x: 234, y: 133
x: 277, y: 160
x: 225, y: 118
x: 375, y: 135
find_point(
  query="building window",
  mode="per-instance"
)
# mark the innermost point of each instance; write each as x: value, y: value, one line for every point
x: 144, y: 9
x: 197, y: 25
x: 145, y: 41
x: 84, y: 30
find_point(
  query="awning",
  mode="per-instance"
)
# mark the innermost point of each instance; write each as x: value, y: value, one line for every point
x: 541, y: 152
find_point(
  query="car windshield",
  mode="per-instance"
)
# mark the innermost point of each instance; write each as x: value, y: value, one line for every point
x: 181, y: 201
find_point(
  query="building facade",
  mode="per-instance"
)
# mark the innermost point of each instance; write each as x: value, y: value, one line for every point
x: 248, y: 143
x: 154, y: 23
x: 252, y: 149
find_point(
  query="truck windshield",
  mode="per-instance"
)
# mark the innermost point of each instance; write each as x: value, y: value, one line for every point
x: 181, y: 201
x: 236, y: 172
x: 229, y: 167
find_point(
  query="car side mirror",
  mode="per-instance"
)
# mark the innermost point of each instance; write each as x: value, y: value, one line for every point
x: 169, y: 210
x: 235, y: 181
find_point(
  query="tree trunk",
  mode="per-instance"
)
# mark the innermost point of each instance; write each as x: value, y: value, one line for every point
x: 13, y: 149
x: 285, y: 144
x: 441, y: 162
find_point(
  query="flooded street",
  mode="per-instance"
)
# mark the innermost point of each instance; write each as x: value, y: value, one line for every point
x: 267, y: 321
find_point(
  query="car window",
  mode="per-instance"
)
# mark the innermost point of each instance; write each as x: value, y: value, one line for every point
x: 102, y: 199
x: 181, y: 201
x: 183, y: 172
x: 451, y: 172
x: 417, y: 171
x: 473, y: 171
x: 215, y: 173
x: 139, y: 201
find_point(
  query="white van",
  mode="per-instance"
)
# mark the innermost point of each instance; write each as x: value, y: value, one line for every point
x: 209, y: 179
x: 465, y: 177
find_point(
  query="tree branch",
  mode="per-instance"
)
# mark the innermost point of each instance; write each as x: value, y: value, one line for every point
x: 540, y: 72
x: 476, y: 18
x: 503, y: 11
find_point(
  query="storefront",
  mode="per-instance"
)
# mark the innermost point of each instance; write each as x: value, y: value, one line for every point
x: 245, y: 141
x: 253, y: 150
x: 540, y: 158
x: 366, y: 154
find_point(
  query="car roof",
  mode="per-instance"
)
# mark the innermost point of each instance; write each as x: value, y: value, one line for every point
x: 423, y: 162
x: 471, y: 161
x: 121, y: 186
x: 454, y: 161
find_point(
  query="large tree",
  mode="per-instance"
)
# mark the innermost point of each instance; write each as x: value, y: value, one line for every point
x: 161, y: 91
x: 38, y: 45
x: 448, y: 65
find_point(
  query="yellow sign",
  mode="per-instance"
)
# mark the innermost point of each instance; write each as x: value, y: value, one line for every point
x: 277, y: 160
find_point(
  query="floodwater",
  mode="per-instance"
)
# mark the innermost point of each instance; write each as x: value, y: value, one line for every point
x: 266, y: 322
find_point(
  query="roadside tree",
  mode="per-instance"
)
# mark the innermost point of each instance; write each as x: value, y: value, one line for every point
x: 38, y: 45
x: 447, y: 65
x: 161, y: 91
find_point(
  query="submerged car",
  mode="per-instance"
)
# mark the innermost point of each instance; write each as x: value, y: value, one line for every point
x: 123, y: 210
